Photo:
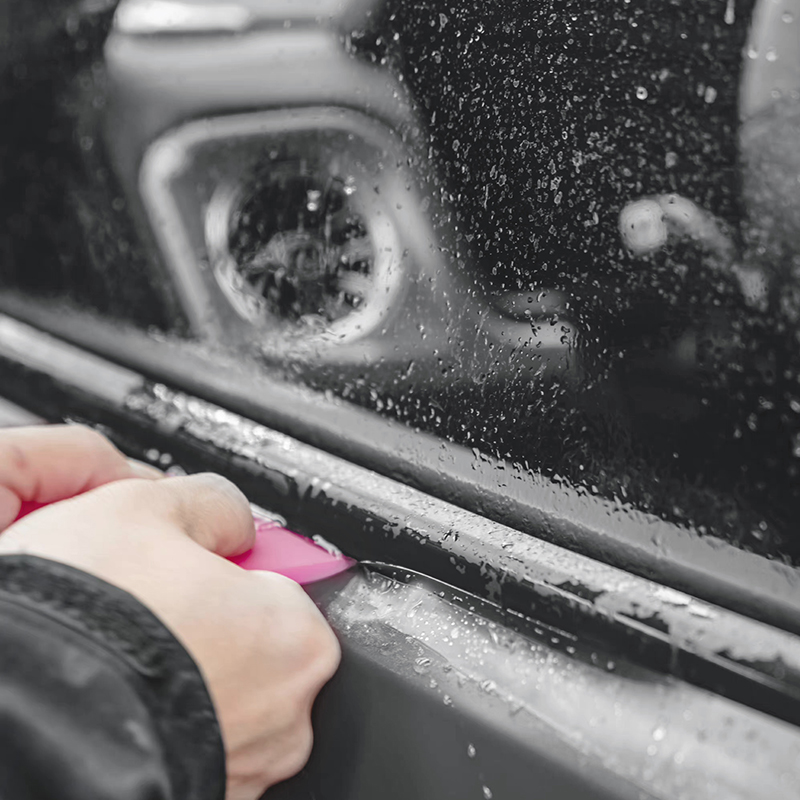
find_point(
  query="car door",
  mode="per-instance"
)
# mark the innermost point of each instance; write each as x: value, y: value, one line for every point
x: 497, y: 298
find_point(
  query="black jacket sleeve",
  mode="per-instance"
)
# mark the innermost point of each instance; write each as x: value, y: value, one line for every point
x: 98, y: 700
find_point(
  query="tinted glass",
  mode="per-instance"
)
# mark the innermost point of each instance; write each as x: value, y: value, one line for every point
x: 630, y: 169
x: 562, y: 233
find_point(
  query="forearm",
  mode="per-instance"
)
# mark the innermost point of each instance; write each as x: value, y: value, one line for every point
x: 97, y: 698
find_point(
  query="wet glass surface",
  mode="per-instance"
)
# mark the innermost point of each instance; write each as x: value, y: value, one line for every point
x: 612, y: 190
x: 634, y: 161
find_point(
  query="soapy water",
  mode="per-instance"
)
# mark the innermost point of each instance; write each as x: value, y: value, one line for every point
x: 603, y: 714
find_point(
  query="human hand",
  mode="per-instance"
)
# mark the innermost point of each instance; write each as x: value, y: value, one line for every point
x: 46, y: 463
x: 261, y: 644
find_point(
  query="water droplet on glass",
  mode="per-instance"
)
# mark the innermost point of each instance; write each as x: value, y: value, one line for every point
x: 787, y: 16
x: 771, y: 54
x: 641, y: 93
x: 313, y: 198
x: 659, y: 733
x: 730, y: 12
x: 710, y: 94
x: 752, y: 52
x: 448, y: 701
x: 471, y: 750
x: 422, y: 665
x: 487, y: 793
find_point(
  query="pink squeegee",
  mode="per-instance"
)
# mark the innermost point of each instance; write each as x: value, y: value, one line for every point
x: 277, y: 550
x: 292, y: 555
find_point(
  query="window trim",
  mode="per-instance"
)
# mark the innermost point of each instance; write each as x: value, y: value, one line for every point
x: 376, y: 517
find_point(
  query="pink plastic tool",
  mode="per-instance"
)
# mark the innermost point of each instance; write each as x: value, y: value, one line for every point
x: 277, y: 550
x: 26, y: 508
x: 292, y: 555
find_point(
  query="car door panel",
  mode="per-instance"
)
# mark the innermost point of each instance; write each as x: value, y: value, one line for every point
x: 528, y: 661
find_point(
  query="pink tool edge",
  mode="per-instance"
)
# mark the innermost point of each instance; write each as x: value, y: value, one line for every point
x: 294, y: 556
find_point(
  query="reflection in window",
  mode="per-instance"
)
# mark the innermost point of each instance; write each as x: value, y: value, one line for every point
x: 639, y: 162
x: 614, y: 188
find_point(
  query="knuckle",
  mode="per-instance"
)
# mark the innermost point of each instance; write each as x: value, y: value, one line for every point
x: 300, y: 750
x: 14, y: 457
x: 205, y: 506
x: 320, y: 651
x: 333, y: 654
x: 299, y: 630
x: 327, y: 661
x: 226, y: 496
x: 305, y: 744
x: 280, y: 588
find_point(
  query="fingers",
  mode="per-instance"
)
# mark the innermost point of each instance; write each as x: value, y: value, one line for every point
x: 206, y: 507
x: 211, y: 510
x: 145, y: 471
x: 47, y: 463
x: 315, y: 646
x: 263, y: 647
x: 307, y: 653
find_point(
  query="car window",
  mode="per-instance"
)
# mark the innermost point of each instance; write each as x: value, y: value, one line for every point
x: 562, y: 234
x: 627, y: 171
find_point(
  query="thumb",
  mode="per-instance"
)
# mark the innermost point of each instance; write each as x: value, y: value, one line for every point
x: 206, y: 507
x: 210, y: 509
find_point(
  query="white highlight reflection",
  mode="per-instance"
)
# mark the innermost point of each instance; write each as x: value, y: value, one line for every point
x: 139, y: 17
